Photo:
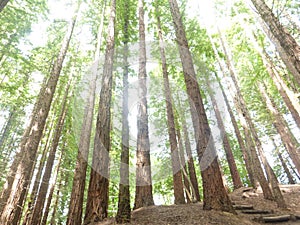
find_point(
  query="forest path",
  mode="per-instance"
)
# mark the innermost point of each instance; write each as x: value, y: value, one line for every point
x: 189, y: 214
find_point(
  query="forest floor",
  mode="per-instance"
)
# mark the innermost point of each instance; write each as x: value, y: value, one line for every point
x: 194, y: 214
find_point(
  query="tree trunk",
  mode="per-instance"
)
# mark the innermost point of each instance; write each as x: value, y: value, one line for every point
x: 270, y: 173
x: 286, y: 45
x: 287, y: 137
x: 143, y: 193
x: 236, y: 179
x: 215, y: 195
x: 248, y: 126
x: 286, y: 169
x: 176, y: 167
x: 34, y: 192
x: 79, y: 180
x: 97, y: 201
x: 184, y: 174
x: 244, y: 149
x: 55, y: 205
x: 188, y: 149
x: 43, y: 190
x: 288, y: 97
x: 124, y: 210
x: 51, y: 190
x: 30, y: 142
x: 3, y: 4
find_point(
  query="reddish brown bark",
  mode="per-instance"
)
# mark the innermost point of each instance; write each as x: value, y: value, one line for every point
x: 30, y: 141
x: 97, y: 201
x: 79, y: 180
x: 143, y: 193
x: 41, y: 197
x: 214, y: 193
x: 124, y: 210
x: 235, y: 176
x: 176, y: 166
x: 248, y: 126
x: 286, y: 45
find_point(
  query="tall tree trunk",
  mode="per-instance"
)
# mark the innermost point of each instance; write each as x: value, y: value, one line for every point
x: 188, y: 149
x: 176, y: 167
x: 248, y: 125
x: 286, y: 45
x: 79, y: 180
x: 184, y: 174
x: 124, y: 210
x: 55, y: 204
x: 244, y: 149
x: 235, y: 176
x: 37, y: 180
x: 97, y: 201
x: 287, y: 137
x: 3, y: 4
x: 143, y: 193
x: 270, y: 173
x: 43, y: 190
x: 288, y: 97
x: 30, y: 142
x: 215, y: 195
x: 52, y: 187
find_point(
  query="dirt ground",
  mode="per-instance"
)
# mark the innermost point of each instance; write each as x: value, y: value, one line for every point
x: 193, y: 214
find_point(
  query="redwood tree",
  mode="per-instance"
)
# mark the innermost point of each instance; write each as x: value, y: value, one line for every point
x: 143, y: 193
x: 176, y: 167
x: 16, y: 190
x: 286, y: 45
x: 214, y: 193
x: 97, y: 201
x: 124, y: 211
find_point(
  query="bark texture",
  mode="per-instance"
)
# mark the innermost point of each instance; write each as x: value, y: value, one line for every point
x: 79, y: 180
x: 286, y: 136
x: 32, y: 137
x: 214, y: 193
x: 43, y: 190
x: 249, y: 127
x: 285, y: 43
x: 235, y: 176
x: 3, y: 3
x: 97, y: 201
x: 124, y: 210
x: 143, y: 193
x: 176, y: 166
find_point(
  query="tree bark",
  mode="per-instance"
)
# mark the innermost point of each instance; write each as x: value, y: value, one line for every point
x: 286, y: 169
x: 3, y: 3
x: 215, y: 195
x: 248, y: 126
x: 43, y: 190
x: 288, y: 97
x: 176, y: 166
x: 143, y: 193
x: 188, y: 149
x: 79, y: 180
x: 243, y: 147
x: 97, y: 201
x: 287, y: 137
x: 51, y: 190
x: 235, y: 176
x: 30, y: 142
x: 286, y: 45
x: 124, y: 210
x: 37, y: 181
